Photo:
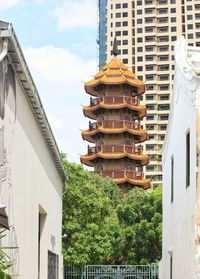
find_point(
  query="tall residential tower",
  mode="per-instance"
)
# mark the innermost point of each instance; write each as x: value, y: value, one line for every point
x: 146, y: 31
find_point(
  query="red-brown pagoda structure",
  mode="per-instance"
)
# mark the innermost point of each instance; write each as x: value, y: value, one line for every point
x: 116, y: 132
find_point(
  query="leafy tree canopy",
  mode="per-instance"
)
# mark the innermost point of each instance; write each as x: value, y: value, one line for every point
x: 101, y: 225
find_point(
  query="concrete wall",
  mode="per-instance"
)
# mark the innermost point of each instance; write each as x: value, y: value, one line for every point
x: 31, y: 185
x: 179, y: 215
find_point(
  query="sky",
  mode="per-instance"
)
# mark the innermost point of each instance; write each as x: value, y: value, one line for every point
x: 58, y: 38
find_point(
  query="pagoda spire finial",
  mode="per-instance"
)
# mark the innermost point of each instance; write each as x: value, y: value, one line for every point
x: 115, y: 50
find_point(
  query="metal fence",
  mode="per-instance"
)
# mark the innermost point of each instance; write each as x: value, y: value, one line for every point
x: 111, y: 272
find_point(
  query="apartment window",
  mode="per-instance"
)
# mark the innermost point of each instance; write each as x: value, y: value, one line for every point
x: 173, y: 10
x: 164, y: 77
x: 125, y: 33
x: 150, y: 147
x: 111, y: 7
x: 125, y: 14
x: 125, y: 5
x: 125, y: 51
x: 118, y: 33
x: 190, y: 26
x: 172, y: 179
x: 149, y: 168
x: 149, y: 49
x: 173, y: 38
x: 125, y: 23
x: 173, y: 19
x: 139, y: 12
x: 173, y: 29
x: 148, y: 2
x: 139, y: 58
x: 164, y: 97
x: 173, y: 1
x: 149, y: 77
x: 139, y: 21
x: 190, y: 36
x: 118, y: 6
x: 150, y: 87
x: 140, y: 78
x: 149, y: 97
x: 163, y: 58
x: 140, y: 68
x: 151, y: 107
x: 139, y: 30
x: 189, y: 8
x: 125, y: 42
x: 118, y: 15
x: 162, y: 49
x: 139, y: 40
x: 118, y: 24
x: 150, y: 117
x: 163, y: 11
x: 139, y: 49
x: 164, y: 117
x: 149, y: 68
x: 163, y: 127
x: 149, y: 20
x: 188, y: 159
x: 125, y: 61
x: 139, y: 3
x: 189, y: 17
x: 149, y: 29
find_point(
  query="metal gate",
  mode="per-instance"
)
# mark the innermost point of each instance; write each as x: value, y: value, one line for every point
x: 111, y: 272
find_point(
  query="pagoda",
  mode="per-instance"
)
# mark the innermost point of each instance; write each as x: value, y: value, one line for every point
x: 116, y: 132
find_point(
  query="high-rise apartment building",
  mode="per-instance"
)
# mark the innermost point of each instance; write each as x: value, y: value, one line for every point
x: 145, y: 32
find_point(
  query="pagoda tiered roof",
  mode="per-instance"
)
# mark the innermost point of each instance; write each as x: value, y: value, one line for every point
x: 115, y: 73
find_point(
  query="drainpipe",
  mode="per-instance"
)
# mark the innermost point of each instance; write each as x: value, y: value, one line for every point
x: 5, y: 50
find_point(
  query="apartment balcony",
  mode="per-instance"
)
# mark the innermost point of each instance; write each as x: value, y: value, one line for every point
x: 123, y: 176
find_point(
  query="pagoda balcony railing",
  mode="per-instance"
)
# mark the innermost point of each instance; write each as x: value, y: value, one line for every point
x: 120, y: 148
x: 122, y: 174
x: 114, y: 100
x: 110, y: 124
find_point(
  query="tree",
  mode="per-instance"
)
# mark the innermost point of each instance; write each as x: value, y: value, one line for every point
x: 140, y: 217
x: 101, y: 225
x: 90, y: 223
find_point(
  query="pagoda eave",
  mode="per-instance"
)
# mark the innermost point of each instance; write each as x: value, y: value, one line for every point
x: 88, y: 159
x: 141, y: 183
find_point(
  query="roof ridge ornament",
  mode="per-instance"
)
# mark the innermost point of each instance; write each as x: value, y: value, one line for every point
x: 115, y: 50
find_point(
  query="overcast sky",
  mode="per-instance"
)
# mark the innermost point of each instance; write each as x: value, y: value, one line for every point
x: 58, y: 38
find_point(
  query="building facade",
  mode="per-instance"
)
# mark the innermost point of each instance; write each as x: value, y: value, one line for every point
x: 117, y: 133
x: 181, y: 174
x: 31, y: 171
x: 146, y: 31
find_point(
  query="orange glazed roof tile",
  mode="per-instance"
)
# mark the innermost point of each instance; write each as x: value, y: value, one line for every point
x: 144, y: 183
x: 87, y: 159
x: 114, y: 73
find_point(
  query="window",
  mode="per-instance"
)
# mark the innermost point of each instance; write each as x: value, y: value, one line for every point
x: 118, y: 15
x: 188, y: 159
x: 190, y: 26
x: 189, y: 17
x: 139, y: 12
x: 125, y: 5
x: 125, y: 33
x: 118, y: 6
x: 173, y: 1
x: 125, y: 51
x: 190, y: 36
x: 172, y: 179
x: 139, y: 40
x: 139, y: 49
x: 139, y: 3
x: 125, y: 61
x: 139, y: 21
x: 173, y: 38
x: 125, y: 42
x: 173, y: 29
x: 189, y: 8
x: 140, y: 69
x: 173, y: 10
x: 150, y: 117
x: 139, y: 30
x: 125, y: 23
x: 149, y: 97
x: 139, y: 58
x: 118, y: 33
x: 118, y: 24
x: 125, y: 14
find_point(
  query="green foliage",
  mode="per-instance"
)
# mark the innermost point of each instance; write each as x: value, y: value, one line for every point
x: 101, y: 225
x: 5, y: 261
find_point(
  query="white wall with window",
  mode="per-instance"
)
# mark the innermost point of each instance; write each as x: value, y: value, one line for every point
x: 179, y: 168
